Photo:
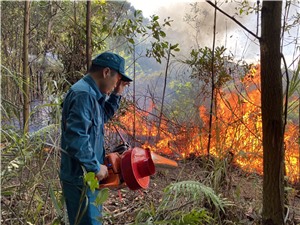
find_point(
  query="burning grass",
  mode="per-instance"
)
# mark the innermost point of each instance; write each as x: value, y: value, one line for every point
x: 236, y: 129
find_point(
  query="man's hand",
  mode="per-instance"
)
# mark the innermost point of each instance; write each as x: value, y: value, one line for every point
x: 120, y: 87
x: 103, y: 173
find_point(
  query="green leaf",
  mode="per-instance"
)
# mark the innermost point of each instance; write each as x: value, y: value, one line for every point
x: 101, y: 197
x: 155, y: 35
x: 164, y: 44
x: 136, y: 12
x: 131, y: 40
x: 155, y: 18
x: 91, y: 181
x: 56, y: 222
x: 7, y: 193
x: 55, y: 202
x: 162, y: 34
x: 174, y: 46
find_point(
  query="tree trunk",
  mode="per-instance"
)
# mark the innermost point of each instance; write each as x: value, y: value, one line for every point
x: 134, y: 99
x: 164, y: 93
x: 299, y: 142
x: 48, y: 44
x: 26, y: 77
x: 272, y: 112
x: 88, y: 35
x: 212, y: 83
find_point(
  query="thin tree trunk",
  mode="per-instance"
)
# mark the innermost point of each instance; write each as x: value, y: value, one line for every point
x: 134, y: 103
x: 218, y: 142
x: 272, y: 112
x: 299, y: 143
x: 164, y: 92
x: 26, y: 76
x: 212, y: 83
x: 88, y: 35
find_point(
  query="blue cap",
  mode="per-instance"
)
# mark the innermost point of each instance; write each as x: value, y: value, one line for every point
x: 112, y: 61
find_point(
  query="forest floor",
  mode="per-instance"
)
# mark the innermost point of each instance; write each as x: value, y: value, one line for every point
x: 243, y: 189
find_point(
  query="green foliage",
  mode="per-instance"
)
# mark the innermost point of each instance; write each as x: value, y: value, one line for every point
x: 20, y: 148
x: 91, y: 180
x: 28, y: 178
x: 218, y: 173
x: 57, y: 200
x: 101, y: 197
x: 135, y: 32
x: 92, y: 183
x: 195, y: 217
x: 293, y: 95
x: 183, y: 108
x: 201, y: 64
x: 193, y: 191
x: 29, y: 173
x: 11, y: 92
x: 246, y: 7
x: 295, y: 82
x: 184, y: 202
x: 159, y: 49
x: 131, y: 27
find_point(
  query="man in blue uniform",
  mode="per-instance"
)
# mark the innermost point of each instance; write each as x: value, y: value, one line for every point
x: 90, y: 102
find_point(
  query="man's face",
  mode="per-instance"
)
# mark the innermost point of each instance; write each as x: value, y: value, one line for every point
x: 110, y: 80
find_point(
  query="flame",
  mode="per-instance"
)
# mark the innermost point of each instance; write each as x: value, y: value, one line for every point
x: 236, y: 128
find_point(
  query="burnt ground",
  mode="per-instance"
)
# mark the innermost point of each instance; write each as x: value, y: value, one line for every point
x: 242, y: 188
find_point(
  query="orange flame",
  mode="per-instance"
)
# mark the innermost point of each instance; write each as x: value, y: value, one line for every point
x: 236, y: 128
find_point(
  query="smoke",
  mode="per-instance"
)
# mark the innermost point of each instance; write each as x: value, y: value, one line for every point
x: 192, y: 27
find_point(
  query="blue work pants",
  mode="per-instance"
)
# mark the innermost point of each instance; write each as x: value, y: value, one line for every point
x: 72, y: 195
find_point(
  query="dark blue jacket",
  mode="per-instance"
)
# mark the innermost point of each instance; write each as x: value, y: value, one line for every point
x: 85, y: 110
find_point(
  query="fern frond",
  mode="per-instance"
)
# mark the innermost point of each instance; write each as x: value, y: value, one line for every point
x: 194, y: 191
x: 184, y: 203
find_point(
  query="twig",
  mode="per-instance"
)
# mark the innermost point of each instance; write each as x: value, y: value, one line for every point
x: 257, y: 18
x: 11, y: 104
x: 235, y: 20
x: 286, y: 13
x: 166, y: 212
x: 121, y: 213
x: 180, y: 207
x: 16, y: 216
x: 113, y: 27
x: 62, y: 9
x: 240, y: 120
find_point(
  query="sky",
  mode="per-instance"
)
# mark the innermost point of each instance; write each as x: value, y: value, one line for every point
x: 151, y: 7
x: 235, y: 39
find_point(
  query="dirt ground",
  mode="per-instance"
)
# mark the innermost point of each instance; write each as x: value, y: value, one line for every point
x: 242, y: 188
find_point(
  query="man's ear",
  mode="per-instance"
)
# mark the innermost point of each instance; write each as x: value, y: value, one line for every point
x: 106, y: 72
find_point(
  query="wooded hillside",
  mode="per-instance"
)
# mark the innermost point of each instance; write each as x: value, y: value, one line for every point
x: 229, y: 122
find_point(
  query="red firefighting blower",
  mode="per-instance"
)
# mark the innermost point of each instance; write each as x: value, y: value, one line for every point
x: 132, y: 167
